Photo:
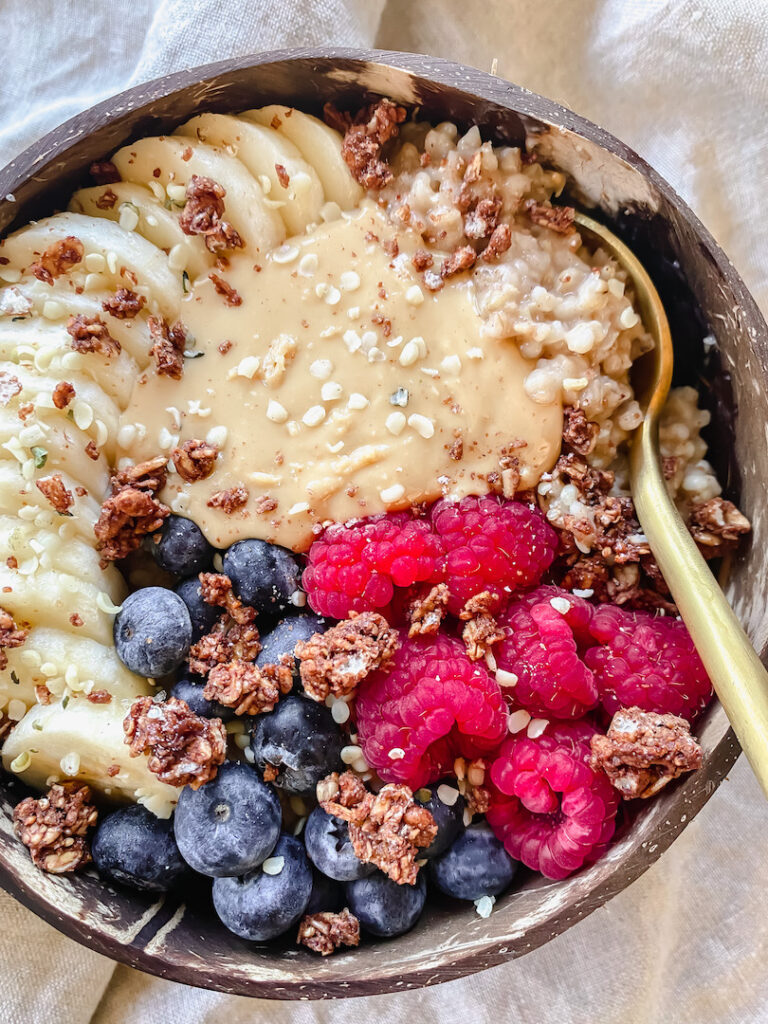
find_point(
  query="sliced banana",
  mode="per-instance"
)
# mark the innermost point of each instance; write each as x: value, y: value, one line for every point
x: 52, y: 447
x: 84, y: 741
x: 16, y: 493
x: 43, y: 597
x: 124, y: 252
x: 263, y: 151
x: 246, y: 209
x: 47, y: 346
x: 67, y: 554
x: 318, y: 144
x: 68, y: 664
x: 155, y: 222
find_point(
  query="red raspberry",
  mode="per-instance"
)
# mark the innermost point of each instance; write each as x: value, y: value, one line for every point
x: 543, y: 630
x: 353, y: 566
x: 548, y: 807
x: 433, y: 704
x: 646, y: 662
x: 491, y: 544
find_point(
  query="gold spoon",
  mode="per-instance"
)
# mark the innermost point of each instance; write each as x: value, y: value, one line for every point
x: 737, y: 674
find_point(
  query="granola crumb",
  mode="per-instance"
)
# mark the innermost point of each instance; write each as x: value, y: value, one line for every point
x: 643, y: 751
x: 426, y: 614
x: 104, y: 172
x: 717, y: 526
x: 106, y: 200
x: 194, y: 460
x: 422, y: 260
x: 124, y: 304
x: 90, y: 334
x: 270, y: 772
x: 184, y: 749
x: 10, y: 386
x: 203, y: 215
x: 167, y: 347
x: 223, y: 288
x: 229, y: 500
x: 325, y: 932
x: 100, y: 697
x: 60, y: 499
x: 224, y: 347
x: 556, y: 218
x: 579, y: 433
x: 282, y: 175
x: 228, y: 641
x: 75, y: 620
x: 132, y: 511
x: 386, y: 829
x: 247, y: 688
x: 59, y: 258
x: 216, y: 589
x: 335, y: 662
x: 11, y: 635
x: 63, y: 394
x: 54, y: 827
x: 498, y: 243
x: 364, y: 139
x: 460, y: 259
x: 470, y: 779
x: 93, y: 453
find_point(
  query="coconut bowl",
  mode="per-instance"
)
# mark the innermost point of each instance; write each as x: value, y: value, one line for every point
x: 705, y: 298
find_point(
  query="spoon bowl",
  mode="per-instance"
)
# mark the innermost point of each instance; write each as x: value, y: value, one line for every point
x: 737, y: 674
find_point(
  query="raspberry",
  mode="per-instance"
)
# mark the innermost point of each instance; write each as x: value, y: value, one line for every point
x: 354, y: 566
x: 433, y: 705
x: 491, y: 544
x: 540, y: 647
x: 646, y: 662
x: 548, y: 807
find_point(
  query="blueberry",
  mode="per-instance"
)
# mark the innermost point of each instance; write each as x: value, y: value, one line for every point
x: 286, y: 634
x: 261, y: 905
x: 203, y: 616
x: 153, y: 632
x: 133, y: 847
x: 229, y: 825
x: 449, y: 819
x: 301, y: 739
x: 263, y: 575
x: 327, y: 895
x: 384, y: 907
x: 182, y: 548
x: 329, y: 847
x: 475, y: 865
x: 192, y: 693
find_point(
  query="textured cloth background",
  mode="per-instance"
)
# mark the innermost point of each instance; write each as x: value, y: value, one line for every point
x: 685, y: 83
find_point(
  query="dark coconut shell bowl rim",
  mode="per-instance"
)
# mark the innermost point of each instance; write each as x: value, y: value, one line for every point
x: 704, y: 295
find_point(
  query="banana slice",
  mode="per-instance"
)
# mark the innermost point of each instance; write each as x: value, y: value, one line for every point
x: 65, y: 554
x: 318, y: 144
x: 43, y: 597
x: 84, y: 741
x: 263, y: 150
x: 259, y: 226
x: 47, y: 346
x: 124, y: 252
x: 54, y: 447
x: 67, y: 664
x: 157, y: 224
x: 17, y: 493
x: 89, y: 407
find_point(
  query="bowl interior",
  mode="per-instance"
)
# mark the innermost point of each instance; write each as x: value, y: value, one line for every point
x: 703, y: 295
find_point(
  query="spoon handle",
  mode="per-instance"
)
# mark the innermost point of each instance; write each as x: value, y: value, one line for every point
x: 738, y: 676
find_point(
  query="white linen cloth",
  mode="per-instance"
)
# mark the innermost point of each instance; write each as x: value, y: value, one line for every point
x: 685, y: 83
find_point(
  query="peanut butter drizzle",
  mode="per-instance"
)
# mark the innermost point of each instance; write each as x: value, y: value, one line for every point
x: 350, y: 463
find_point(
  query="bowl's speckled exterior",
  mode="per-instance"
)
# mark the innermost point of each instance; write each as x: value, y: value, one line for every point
x: 184, y: 942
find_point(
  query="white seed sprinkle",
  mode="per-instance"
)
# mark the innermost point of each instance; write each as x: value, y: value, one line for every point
x: 560, y: 604
x: 285, y: 253
x: 321, y: 369
x: 276, y: 412
x: 536, y: 727
x: 128, y: 218
x: 447, y: 795
x: 352, y: 340
x: 504, y: 678
x: 410, y: 352
x: 95, y: 262
x: 395, y: 423
x: 330, y: 391
x: 334, y: 449
x: 293, y: 427
x: 422, y: 425
x: 314, y: 416
x: 273, y: 865
x: 490, y: 661
x: 70, y: 763
x: 353, y: 312
x: 249, y: 755
x: 308, y: 264
x: 629, y: 318
x: 518, y: 720
x: 357, y: 401
x: 332, y: 296
x: 574, y: 383
x: 414, y: 295
x: 22, y: 762
x: 247, y: 367
x: 217, y: 436
x: 298, y: 508
x: 451, y: 364
x: 340, y: 712
x: 16, y: 709
x: 157, y: 190
x: 177, y: 193
x: 351, y: 753
x: 475, y: 353
x: 105, y: 603
x: 396, y: 754
x: 349, y: 281
x: 298, y: 599
x: 583, y: 593
x: 52, y: 310
x: 82, y: 413
x: 392, y: 494
x: 484, y: 906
